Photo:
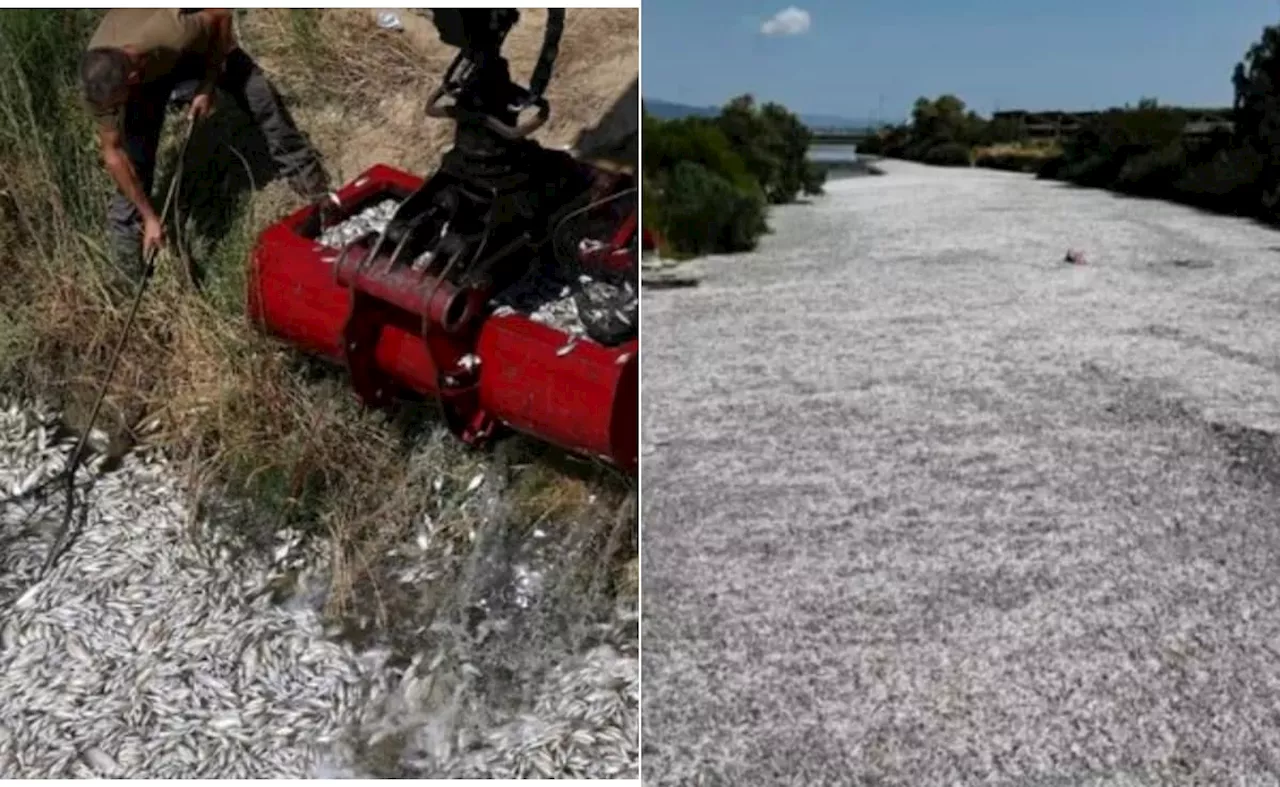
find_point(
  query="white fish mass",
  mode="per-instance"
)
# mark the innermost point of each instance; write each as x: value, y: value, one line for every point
x: 152, y: 651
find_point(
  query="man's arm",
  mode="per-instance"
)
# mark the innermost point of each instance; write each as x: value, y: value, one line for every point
x: 221, y: 42
x: 122, y: 172
x: 126, y: 177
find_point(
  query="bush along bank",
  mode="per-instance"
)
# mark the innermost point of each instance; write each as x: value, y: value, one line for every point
x: 708, y: 182
x: 944, y: 132
x: 1144, y: 150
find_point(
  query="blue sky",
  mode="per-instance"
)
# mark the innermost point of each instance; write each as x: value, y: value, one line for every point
x: 858, y: 55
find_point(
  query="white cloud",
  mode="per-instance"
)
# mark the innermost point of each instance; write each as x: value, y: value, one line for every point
x: 787, y: 22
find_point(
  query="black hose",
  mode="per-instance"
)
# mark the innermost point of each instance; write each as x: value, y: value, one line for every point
x: 550, y: 50
x: 65, y: 534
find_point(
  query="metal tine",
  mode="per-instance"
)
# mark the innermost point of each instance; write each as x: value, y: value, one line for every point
x: 382, y: 237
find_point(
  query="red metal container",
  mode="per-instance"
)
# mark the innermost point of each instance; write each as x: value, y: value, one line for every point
x: 583, y: 398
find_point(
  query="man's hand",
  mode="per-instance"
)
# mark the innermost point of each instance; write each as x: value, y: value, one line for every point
x: 126, y: 177
x: 201, y: 105
x: 218, y: 26
x: 152, y: 235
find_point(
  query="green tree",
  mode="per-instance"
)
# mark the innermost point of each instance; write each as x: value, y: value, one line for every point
x: 791, y: 139
x: 698, y: 192
x: 703, y: 213
x: 815, y: 177
x: 1257, y: 110
x: 753, y: 138
x: 774, y: 145
x: 1257, y: 91
x: 940, y: 128
x: 941, y: 120
x: 1130, y: 132
x: 696, y: 140
x: 708, y: 181
x: 1003, y: 130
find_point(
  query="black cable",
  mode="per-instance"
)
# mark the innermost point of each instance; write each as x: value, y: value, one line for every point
x: 550, y: 50
x: 65, y: 535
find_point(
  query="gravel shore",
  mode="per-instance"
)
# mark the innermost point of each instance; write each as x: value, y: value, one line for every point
x: 925, y: 505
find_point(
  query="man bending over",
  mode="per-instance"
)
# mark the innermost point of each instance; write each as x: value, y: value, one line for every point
x: 135, y: 59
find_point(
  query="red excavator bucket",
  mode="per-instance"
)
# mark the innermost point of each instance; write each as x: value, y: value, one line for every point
x: 512, y: 370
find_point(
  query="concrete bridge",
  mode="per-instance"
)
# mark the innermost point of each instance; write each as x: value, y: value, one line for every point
x: 835, y: 147
x: 840, y: 136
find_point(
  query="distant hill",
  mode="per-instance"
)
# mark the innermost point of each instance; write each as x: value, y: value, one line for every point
x: 835, y: 122
x: 670, y: 110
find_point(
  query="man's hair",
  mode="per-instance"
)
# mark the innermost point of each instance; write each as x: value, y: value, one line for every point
x: 103, y: 71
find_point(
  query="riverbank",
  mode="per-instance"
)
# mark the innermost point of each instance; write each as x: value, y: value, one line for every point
x: 1151, y: 150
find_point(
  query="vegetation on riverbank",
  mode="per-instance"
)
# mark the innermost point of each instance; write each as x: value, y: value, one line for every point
x: 945, y: 132
x: 242, y: 414
x: 708, y: 181
x: 1027, y: 156
x: 1144, y: 150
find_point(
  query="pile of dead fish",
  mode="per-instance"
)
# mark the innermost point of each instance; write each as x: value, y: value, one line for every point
x: 582, y: 724
x: 546, y: 301
x: 543, y: 299
x: 373, y: 219
x: 570, y: 308
x: 153, y: 649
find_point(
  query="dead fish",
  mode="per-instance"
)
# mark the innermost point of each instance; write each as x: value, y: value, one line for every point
x: 100, y: 761
x: 149, y: 661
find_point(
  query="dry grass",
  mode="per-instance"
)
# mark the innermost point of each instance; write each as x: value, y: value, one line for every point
x: 1035, y: 149
x: 245, y: 415
x: 1026, y: 157
x: 376, y: 83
